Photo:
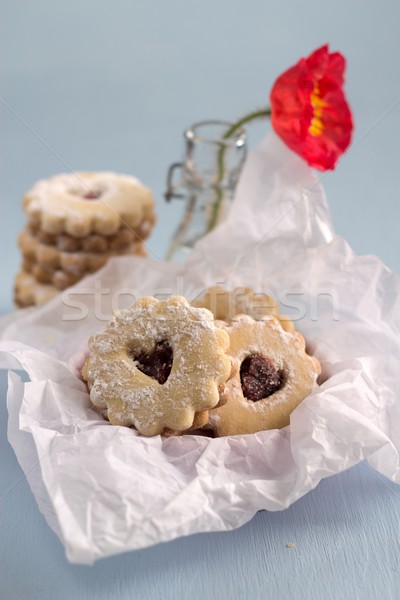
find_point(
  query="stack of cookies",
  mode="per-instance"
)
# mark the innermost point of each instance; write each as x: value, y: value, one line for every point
x: 76, y: 222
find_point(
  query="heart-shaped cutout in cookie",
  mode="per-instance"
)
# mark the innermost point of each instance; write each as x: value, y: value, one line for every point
x: 156, y: 364
x: 259, y: 377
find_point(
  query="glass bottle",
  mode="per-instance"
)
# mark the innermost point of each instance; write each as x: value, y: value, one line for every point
x: 208, y: 177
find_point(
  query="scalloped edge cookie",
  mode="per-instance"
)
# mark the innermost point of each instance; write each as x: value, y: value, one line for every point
x: 29, y: 292
x: 287, y: 353
x: 241, y: 300
x: 88, y: 202
x: 200, y: 366
x: 49, y: 259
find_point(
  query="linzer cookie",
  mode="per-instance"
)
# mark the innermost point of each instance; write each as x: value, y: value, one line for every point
x: 43, y: 274
x: 81, y: 204
x: 95, y: 242
x: 29, y: 292
x: 274, y: 374
x: 242, y: 300
x: 158, y: 366
x: 50, y: 258
x: 76, y: 223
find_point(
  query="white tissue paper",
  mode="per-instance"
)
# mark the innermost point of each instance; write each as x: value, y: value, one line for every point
x: 104, y: 489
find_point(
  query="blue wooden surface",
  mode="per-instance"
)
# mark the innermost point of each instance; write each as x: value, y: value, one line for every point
x: 99, y: 86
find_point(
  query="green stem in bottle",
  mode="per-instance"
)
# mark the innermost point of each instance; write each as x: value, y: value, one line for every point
x: 258, y: 114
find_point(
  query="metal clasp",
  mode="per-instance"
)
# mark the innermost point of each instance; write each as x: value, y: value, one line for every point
x: 171, y: 188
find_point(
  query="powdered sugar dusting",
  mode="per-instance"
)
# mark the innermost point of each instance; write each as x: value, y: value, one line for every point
x: 286, y: 351
x: 61, y: 203
x: 199, y: 365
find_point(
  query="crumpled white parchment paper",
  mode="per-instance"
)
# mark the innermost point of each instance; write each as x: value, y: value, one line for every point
x: 105, y: 490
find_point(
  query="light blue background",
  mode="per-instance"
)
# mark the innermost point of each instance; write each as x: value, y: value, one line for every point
x: 101, y: 85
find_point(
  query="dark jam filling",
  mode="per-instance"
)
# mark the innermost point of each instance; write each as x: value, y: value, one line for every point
x: 259, y: 377
x: 204, y: 432
x: 158, y: 363
x: 92, y: 195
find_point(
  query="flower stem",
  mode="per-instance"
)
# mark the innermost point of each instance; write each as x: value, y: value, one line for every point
x: 216, y: 207
x: 257, y: 114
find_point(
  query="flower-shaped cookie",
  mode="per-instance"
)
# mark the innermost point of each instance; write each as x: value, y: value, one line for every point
x: 274, y: 374
x: 83, y: 203
x: 157, y: 365
x: 28, y: 291
x: 50, y: 259
x: 242, y: 300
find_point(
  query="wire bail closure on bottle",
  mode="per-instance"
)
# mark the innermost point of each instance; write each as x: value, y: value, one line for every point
x: 171, y: 191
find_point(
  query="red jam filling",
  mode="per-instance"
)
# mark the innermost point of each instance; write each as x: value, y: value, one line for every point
x: 158, y: 363
x: 259, y: 377
x: 92, y: 195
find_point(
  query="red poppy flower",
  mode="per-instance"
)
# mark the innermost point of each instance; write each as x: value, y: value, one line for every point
x: 309, y: 110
